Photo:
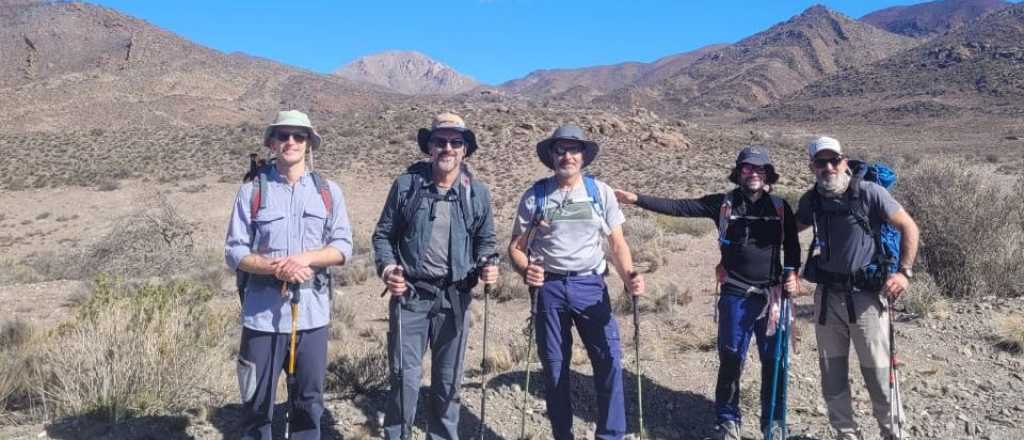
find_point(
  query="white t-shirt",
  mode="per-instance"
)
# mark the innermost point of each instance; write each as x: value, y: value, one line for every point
x: 571, y: 237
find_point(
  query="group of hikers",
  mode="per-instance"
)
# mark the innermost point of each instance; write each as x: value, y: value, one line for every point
x: 435, y: 241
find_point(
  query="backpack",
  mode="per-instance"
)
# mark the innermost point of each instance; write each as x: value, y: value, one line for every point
x: 258, y: 202
x: 407, y: 207
x: 726, y: 217
x: 887, y: 238
x: 593, y: 193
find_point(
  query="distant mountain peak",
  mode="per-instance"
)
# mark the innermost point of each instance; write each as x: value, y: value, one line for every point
x: 407, y: 72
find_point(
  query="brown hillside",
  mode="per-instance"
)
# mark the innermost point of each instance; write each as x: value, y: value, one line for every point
x: 978, y: 68
x: 931, y: 18
x: 769, y: 65
x: 72, y: 65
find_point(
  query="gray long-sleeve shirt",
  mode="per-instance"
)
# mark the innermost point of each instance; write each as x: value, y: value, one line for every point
x: 293, y: 221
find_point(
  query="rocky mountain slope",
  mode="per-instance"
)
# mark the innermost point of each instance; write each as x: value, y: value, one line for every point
x: 604, y: 79
x: 977, y: 69
x: 80, y: 66
x: 933, y: 18
x: 407, y: 72
x: 768, y: 65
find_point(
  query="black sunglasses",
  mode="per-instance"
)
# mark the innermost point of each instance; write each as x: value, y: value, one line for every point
x: 835, y: 161
x: 282, y: 136
x: 440, y: 143
x: 571, y: 149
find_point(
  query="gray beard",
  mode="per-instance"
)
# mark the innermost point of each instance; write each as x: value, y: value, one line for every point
x: 833, y: 185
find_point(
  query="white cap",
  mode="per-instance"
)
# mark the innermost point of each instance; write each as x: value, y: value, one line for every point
x: 823, y: 143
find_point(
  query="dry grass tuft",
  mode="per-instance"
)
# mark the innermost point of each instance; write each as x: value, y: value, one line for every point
x: 124, y: 355
x: 1009, y: 332
x: 972, y: 244
x: 499, y: 360
x: 360, y: 370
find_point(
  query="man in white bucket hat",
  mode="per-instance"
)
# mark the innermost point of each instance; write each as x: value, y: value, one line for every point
x: 288, y: 227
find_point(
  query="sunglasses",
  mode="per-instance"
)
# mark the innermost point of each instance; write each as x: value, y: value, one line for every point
x: 835, y: 161
x: 571, y: 149
x: 440, y: 143
x: 283, y: 136
x: 751, y: 169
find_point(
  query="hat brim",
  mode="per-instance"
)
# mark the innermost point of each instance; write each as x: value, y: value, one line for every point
x: 590, y: 150
x: 423, y: 139
x: 314, y: 137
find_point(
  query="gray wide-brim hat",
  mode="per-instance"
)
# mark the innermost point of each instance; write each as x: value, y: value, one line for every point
x: 292, y: 118
x: 446, y: 121
x: 567, y: 132
x: 756, y: 155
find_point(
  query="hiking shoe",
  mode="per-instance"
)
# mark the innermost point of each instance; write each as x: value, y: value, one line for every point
x: 849, y: 435
x: 727, y: 430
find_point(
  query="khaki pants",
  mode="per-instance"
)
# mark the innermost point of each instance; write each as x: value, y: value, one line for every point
x: 870, y: 338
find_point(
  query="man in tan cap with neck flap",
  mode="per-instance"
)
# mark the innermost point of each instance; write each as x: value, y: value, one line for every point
x: 434, y: 229
x: 288, y: 227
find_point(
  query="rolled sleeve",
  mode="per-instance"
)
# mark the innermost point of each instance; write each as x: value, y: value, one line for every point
x: 340, y: 237
x: 238, y: 243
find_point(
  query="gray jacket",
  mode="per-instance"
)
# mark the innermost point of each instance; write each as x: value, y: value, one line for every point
x: 401, y: 242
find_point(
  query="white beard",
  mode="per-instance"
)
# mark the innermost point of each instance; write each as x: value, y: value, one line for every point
x: 833, y: 185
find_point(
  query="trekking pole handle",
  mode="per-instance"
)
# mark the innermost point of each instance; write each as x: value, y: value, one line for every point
x: 401, y: 298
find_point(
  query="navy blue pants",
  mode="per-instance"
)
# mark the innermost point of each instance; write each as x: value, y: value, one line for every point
x: 581, y: 301
x: 737, y: 320
x: 268, y: 355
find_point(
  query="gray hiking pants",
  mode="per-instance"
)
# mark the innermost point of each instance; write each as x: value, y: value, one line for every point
x: 870, y: 338
x: 423, y: 323
x: 267, y: 355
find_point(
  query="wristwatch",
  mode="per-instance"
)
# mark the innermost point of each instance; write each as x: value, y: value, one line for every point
x: 907, y: 272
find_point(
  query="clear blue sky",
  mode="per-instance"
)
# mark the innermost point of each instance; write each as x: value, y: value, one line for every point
x: 491, y: 40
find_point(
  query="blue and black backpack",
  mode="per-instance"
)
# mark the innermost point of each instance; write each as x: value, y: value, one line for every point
x: 887, y: 238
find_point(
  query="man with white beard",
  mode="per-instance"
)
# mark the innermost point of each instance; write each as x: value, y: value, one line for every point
x: 849, y: 302
x: 435, y: 227
x: 756, y: 229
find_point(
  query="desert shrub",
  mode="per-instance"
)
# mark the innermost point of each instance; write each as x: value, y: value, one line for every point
x: 154, y: 349
x: 694, y: 227
x: 155, y: 240
x: 682, y: 335
x: 343, y: 316
x: 510, y: 284
x: 361, y: 369
x: 1009, y: 332
x: 924, y: 298
x: 15, y: 358
x: 972, y: 227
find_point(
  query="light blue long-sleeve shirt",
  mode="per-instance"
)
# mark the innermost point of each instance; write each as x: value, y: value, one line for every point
x: 293, y: 221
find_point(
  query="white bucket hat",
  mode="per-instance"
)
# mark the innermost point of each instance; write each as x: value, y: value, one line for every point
x: 292, y: 118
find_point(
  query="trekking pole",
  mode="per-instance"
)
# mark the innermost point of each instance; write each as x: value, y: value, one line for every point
x: 401, y: 360
x: 780, y: 369
x: 639, y: 372
x: 488, y: 288
x: 896, y: 416
x: 529, y: 352
x: 290, y: 381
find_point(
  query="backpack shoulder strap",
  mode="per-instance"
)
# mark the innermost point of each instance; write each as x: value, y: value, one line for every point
x: 594, y: 193
x: 724, y: 216
x: 468, y: 213
x: 324, y: 189
x: 590, y: 183
x: 780, y: 211
x: 540, y: 191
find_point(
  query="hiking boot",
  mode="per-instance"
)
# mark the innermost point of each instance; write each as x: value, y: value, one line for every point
x: 849, y: 435
x: 727, y: 430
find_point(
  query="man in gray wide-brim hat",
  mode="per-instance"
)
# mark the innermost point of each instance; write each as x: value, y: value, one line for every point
x: 557, y: 245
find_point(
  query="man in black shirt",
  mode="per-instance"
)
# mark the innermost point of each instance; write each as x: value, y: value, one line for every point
x: 754, y: 229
